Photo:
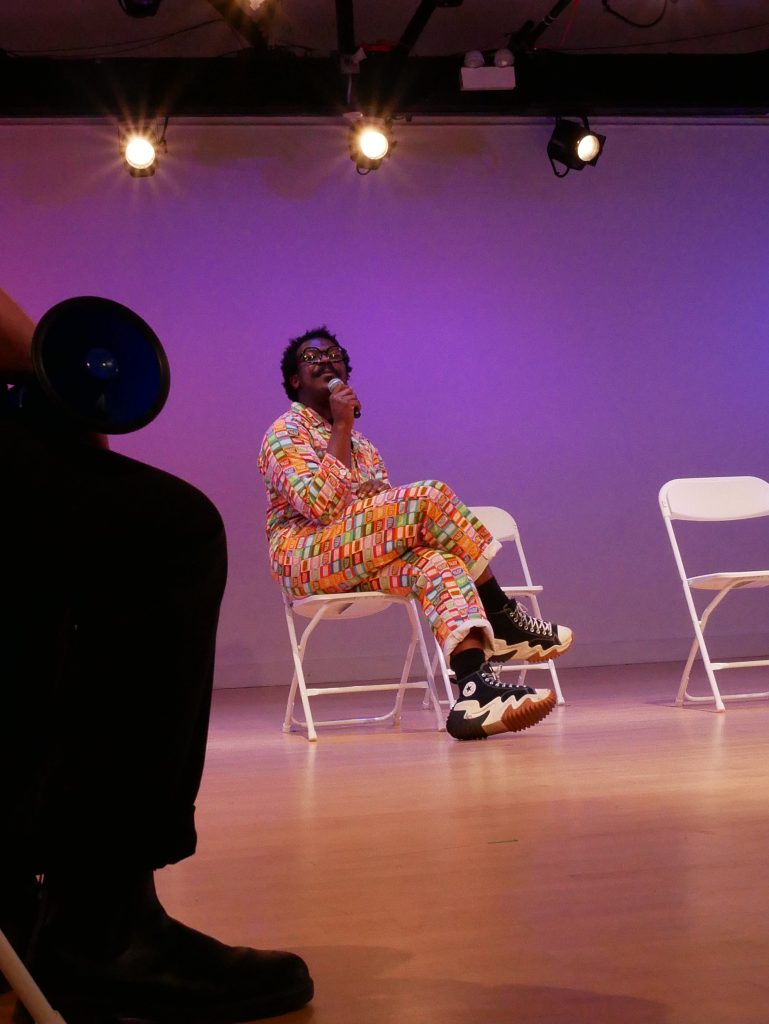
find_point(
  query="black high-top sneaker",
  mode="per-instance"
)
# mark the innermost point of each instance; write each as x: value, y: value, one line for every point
x: 521, y: 637
x: 487, y: 706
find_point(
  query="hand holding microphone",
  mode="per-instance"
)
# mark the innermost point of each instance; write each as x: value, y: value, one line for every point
x: 344, y: 395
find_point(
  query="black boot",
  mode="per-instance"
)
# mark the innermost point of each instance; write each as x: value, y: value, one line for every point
x: 104, y: 956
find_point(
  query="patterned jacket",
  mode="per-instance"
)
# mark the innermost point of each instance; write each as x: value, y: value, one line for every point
x: 308, y: 488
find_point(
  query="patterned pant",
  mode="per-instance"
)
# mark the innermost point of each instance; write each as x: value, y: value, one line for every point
x: 416, y: 540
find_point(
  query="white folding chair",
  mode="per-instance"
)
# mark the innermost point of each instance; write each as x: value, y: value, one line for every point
x: 340, y: 608
x: 25, y: 987
x: 714, y: 499
x: 504, y: 528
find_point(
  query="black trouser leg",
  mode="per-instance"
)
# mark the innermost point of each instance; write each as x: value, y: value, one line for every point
x: 113, y: 574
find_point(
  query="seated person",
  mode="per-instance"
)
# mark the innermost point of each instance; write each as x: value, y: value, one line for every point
x: 113, y: 573
x: 335, y: 523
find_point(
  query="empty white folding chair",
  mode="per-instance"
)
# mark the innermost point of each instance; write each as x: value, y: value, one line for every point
x: 504, y: 528
x: 339, y: 608
x: 714, y: 499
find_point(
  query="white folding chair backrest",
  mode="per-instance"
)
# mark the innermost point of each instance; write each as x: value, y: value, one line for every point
x: 503, y: 527
x: 497, y: 521
x: 712, y: 500
x: 715, y: 498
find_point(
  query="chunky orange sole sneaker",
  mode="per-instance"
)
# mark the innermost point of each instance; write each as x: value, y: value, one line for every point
x: 486, y: 707
x: 519, y: 636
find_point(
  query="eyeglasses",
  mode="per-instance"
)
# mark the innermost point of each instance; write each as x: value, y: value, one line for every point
x: 321, y: 355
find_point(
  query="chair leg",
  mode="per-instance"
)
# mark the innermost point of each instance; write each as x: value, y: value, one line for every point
x: 298, y: 681
x: 686, y: 673
x: 25, y: 986
x: 439, y: 662
x: 700, y: 638
x: 559, y: 698
x: 431, y: 695
x: 290, y: 704
x: 720, y: 706
x: 406, y: 672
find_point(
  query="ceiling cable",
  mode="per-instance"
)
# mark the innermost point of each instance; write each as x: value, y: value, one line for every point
x: 636, y: 24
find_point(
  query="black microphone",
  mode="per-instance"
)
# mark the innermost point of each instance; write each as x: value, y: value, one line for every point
x: 335, y: 383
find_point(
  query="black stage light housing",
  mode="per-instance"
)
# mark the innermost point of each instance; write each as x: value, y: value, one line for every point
x: 141, y: 148
x: 140, y: 8
x: 574, y: 145
x: 98, y: 367
x: 365, y: 131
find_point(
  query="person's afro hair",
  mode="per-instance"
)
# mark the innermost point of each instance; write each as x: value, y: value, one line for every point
x: 289, y: 365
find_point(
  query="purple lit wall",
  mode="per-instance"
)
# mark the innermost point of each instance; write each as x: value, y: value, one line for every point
x: 558, y: 347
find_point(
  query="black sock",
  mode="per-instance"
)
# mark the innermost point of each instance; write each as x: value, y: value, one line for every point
x: 467, y: 662
x: 493, y: 596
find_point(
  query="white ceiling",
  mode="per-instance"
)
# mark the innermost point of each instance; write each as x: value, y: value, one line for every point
x: 193, y: 28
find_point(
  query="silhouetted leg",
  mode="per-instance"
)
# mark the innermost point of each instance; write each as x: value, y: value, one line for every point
x: 113, y: 574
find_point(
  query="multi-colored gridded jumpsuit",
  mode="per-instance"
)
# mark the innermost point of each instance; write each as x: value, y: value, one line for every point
x: 419, y: 539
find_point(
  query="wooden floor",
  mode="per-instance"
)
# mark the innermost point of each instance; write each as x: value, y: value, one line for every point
x: 607, y: 866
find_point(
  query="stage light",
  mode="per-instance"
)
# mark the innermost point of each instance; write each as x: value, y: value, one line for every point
x: 474, y: 59
x: 503, y: 58
x: 370, y: 142
x: 573, y: 145
x: 140, y: 8
x: 140, y: 154
x: 140, y: 149
x: 373, y: 143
